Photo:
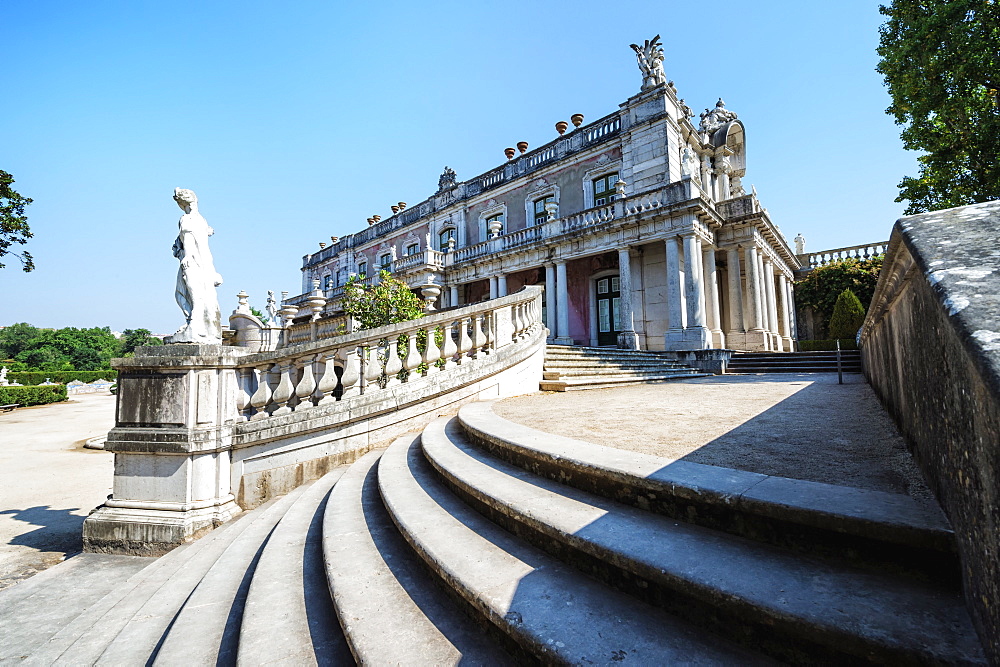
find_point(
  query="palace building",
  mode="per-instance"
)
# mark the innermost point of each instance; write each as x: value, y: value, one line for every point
x: 637, y: 225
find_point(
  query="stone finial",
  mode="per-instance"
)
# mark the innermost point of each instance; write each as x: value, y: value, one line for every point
x: 522, y: 146
x: 716, y: 118
x: 401, y: 205
x: 551, y: 210
x: 334, y: 240
x: 576, y: 119
x: 322, y: 245
x: 650, y: 59
x: 509, y: 152
x: 243, y: 303
x: 620, y: 188
x: 561, y: 127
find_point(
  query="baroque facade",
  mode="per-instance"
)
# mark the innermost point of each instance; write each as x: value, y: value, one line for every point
x: 637, y: 225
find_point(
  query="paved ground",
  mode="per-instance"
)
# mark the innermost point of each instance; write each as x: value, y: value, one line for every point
x: 49, y: 482
x: 803, y: 426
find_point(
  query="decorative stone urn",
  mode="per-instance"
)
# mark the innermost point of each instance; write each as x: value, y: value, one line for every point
x: 522, y: 146
x: 509, y: 152
x: 496, y: 226
x: 552, y: 210
x: 402, y: 205
x: 371, y: 221
x: 395, y: 209
x: 430, y: 293
x: 577, y: 119
x: 561, y: 127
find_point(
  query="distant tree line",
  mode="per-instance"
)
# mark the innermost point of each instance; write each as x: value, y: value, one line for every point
x: 24, y: 347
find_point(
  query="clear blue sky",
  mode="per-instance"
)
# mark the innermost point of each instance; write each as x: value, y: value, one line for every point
x: 297, y: 121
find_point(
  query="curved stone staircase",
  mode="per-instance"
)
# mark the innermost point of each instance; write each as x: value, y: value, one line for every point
x: 482, y: 541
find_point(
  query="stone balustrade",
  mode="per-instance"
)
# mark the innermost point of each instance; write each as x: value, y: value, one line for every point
x: 331, y: 367
x: 862, y: 252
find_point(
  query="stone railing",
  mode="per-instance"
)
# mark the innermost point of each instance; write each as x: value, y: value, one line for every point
x: 739, y: 207
x: 303, y: 376
x: 319, y: 329
x: 203, y: 431
x: 824, y: 257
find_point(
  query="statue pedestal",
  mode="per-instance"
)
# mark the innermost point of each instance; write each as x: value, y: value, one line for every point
x: 172, y: 438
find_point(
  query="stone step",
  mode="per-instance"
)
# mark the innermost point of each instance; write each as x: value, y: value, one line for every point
x: 844, y: 354
x: 552, y: 612
x: 602, y: 382
x: 662, y: 363
x: 629, y: 357
x: 391, y: 610
x: 149, y: 626
x: 206, y: 629
x: 871, y: 529
x: 289, y: 615
x: 793, y: 607
x: 36, y: 609
x: 581, y: 372
x: 85, y: 639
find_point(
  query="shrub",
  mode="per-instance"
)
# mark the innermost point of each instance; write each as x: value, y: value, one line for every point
x: 387, y: 302
x: 821, y: 286
x: 848, y: 315
x: 37, y: 377
x: 33, y: 395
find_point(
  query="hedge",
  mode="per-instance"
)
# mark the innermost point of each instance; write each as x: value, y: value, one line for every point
x: 824, y: 345
x: 38, y: 377
x: 50, y: 393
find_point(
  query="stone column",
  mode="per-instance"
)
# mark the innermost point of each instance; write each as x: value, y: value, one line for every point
x: 786, y: 316
x: 792, y: 313
x: 493, y: 287
x: 562, y: 306
x: 675, y: 298
x: 627, y: 338
x: 736, y: 325
x: 501, y: 284
x: 696, y: 333
x: 772, y: 304
x: 550, y: 300
x: 712, y: 297
x: 453, y: 296
x: 755, y: 320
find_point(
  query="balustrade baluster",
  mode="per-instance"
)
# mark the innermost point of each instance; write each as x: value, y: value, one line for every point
x: 449, y: 348
x: 285, y: 389
x: 244, y: 381
x: 328, y: 383
x: 393, y: 364
x: 412, y: 359
x: 262, y: 397
x: 464, y: 340
x: 478, y: 336
x: 373, y: 365
x: 352, y: 371
x: 431, y: 352
x: 307, y: 383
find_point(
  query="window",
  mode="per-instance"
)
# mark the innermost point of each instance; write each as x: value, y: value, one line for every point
x: 363, y: 269
x: 540, y: 214
x: 494, y: 225
x: 413, y: 249
x: 327, y: 282
x: 385, y: 262
x: 604, y: 189
x: 443, y: 239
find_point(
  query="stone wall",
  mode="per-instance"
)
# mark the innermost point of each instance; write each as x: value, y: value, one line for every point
x: 931, y: 351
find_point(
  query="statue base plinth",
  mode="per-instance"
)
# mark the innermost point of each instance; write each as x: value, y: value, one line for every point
x: 134, y: 531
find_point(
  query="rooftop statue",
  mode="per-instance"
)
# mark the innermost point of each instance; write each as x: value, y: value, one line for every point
x: 716, y: 118
x: 196, y: 277
x: 650, y: 57
x: 447, y: 180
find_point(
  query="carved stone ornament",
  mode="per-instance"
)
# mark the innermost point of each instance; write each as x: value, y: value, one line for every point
x: 447, y: 180
x: 196, y: 276
x: 716, y: 118
x: 650, y: 59
x: 689, y: 164
x: 604, y: 159
x: 686, y: 110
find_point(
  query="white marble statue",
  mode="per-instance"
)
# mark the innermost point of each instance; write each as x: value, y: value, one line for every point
x: 650, y: 57
x: 3, y: 377
x: 800, y: 244
x: 196, y: 277
x: 689, y: 164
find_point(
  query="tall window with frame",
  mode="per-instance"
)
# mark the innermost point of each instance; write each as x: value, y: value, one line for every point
x: 385, y: 262
x: 362, y: 270
x: 444, y: 237
x: 412, y: 249
x: 540, y: 214
x: 604, y: 189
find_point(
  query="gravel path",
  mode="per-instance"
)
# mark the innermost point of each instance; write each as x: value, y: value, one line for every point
x: 49, y: 481
x: 803, y: 426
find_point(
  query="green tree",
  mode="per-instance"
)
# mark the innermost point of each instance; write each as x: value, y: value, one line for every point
x: 14, y: 228
x: 16, y: 338
x: 848, y: 315
x: 387, y: 302
x: 822, y: 286
x: 133, y: 338
x: 941, y: 63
